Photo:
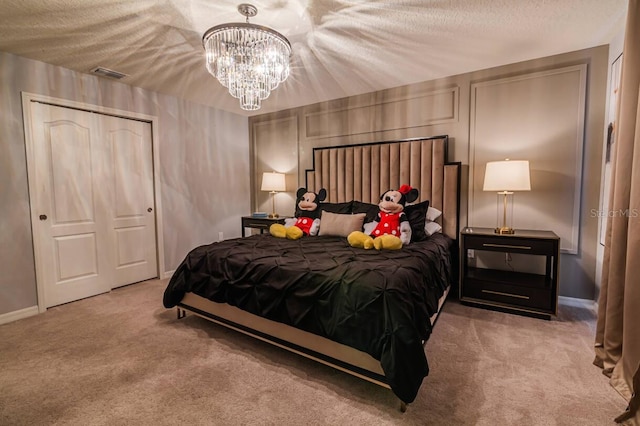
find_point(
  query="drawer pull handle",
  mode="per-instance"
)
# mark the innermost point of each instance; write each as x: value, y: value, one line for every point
x: 506, y: 246
x: 256, y: 225
x: 506, y: 294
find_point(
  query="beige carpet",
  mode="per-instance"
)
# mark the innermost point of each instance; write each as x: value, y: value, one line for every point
x: 121, y: 358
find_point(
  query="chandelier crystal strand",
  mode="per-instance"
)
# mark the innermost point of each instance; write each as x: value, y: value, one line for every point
x: 249, y: 60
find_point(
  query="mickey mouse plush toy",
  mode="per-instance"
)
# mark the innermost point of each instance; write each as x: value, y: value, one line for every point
x: 307, y: 216
x: 391, y: 229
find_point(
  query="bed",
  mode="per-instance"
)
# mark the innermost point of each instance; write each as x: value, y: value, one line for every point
x: 365, y: 312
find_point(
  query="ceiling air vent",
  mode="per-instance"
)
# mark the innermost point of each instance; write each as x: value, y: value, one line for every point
x: 106, y: 72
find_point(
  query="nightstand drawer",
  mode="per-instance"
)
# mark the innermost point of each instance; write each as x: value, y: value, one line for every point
x: 511, y: 245
x: 508, y: 294
x: 257, y: 224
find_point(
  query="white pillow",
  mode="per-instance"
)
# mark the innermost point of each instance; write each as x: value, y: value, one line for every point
x: 433, y: 214
x: 431, y: 228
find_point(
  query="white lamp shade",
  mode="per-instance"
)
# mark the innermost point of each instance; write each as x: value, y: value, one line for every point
x: 272, y: 181
x: 507, y: 176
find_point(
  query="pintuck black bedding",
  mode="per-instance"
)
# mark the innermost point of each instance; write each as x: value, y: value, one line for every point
x: 378, y: 302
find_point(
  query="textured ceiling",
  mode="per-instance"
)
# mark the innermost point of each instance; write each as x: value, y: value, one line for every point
x: 340, y: 48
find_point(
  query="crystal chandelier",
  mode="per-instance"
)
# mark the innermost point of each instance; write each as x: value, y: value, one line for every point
x: 250, y: 60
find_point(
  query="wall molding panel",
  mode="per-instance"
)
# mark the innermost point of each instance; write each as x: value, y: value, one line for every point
x: 538, y: 117
x: 396, y: 112
x: 275, y: 146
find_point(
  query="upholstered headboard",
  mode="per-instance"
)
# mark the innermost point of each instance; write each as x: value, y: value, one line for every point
x: 363, y: 172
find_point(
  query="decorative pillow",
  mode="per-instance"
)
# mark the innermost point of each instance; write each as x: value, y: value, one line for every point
x: 371, y: 210
x: 433, y: 214
x: 431, y: 228
x: 340, y: 208
x: 417, y: 214
x: 340, y: 225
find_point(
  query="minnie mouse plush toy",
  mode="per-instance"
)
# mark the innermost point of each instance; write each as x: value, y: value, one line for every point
x: 391, y: 229
x: 307, y: 216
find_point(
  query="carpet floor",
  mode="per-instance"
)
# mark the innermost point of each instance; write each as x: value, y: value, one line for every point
x: 122, y: 359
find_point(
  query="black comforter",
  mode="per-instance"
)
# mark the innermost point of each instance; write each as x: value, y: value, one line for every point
x: 376, y: 301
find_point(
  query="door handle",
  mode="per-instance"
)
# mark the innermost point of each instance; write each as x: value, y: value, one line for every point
x: 43, y: 217
x: 149, y: 209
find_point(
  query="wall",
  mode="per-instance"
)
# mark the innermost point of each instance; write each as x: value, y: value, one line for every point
x: 204, y: 167
x: 284, y: 141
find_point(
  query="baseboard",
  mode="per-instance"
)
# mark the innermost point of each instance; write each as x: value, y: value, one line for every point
x: 168, y: 274
x: 19, y: 314
x: 578, y: 303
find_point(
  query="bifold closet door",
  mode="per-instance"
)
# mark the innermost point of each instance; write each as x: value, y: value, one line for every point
x: 90, y: 231
x: 70, y: 230
x: 131, y: 216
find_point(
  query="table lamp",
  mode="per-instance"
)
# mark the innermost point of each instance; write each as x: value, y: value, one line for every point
x: 505, y: 177
x: 273, y: 182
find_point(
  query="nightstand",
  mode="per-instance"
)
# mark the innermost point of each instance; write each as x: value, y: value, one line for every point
x: 260, y: 223
x: 526, y: 293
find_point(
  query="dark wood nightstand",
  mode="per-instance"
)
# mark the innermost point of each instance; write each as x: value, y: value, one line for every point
x: 260, y: 223
x: 526, y: 293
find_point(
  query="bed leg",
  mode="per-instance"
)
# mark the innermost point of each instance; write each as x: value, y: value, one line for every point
x: 181, y: 313
x: 403, y: 406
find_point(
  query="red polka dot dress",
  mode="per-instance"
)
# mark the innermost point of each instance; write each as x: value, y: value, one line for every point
x: 389, y: 224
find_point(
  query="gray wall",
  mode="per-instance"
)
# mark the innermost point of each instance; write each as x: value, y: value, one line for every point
x: 284, y: 141
x: 204, y: 167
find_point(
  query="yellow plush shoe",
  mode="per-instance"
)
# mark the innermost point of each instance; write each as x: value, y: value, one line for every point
x: 294, y: 233
x: 360, y: 240
x: 387, y: 242
x: 278, y: 230
x: 369, y: 243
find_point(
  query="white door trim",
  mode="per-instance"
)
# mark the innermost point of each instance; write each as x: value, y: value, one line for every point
x: 27, y: 98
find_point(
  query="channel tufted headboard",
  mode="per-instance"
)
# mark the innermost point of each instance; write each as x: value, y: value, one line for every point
x: 363, y: 172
